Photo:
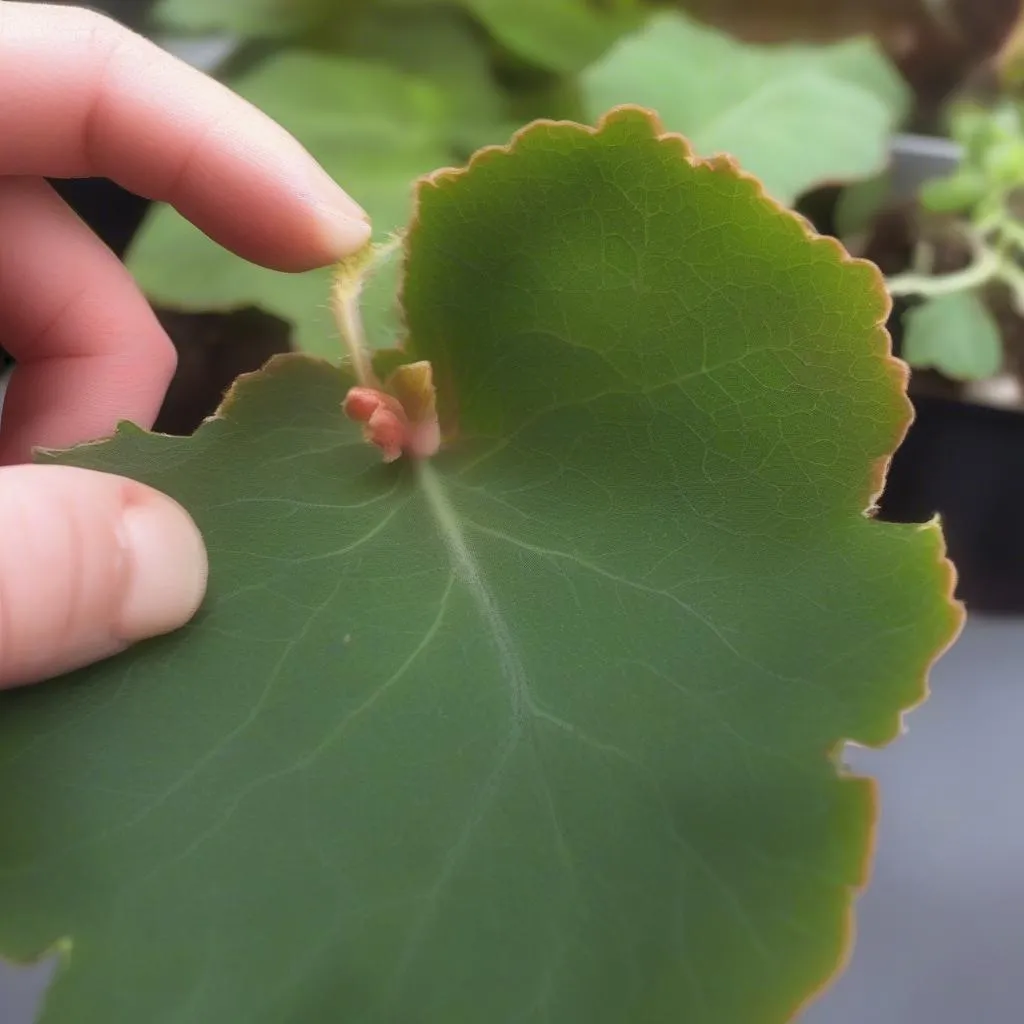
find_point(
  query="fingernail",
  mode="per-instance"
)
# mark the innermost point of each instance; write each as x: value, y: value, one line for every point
x: 346, y: 223
x: 167, y: 567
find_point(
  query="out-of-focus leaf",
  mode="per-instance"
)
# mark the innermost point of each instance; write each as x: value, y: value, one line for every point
x: 443, y: 46
x: 795, y: 116
x: 562, y: 35
x: 937, y: 44
x: 958, y: 193
x: 250, y: 18
x: 954, y: 334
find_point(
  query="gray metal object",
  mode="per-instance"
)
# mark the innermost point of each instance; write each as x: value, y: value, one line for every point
x: 919, y: 158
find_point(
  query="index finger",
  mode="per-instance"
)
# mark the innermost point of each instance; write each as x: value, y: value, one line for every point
x: 85, y: 97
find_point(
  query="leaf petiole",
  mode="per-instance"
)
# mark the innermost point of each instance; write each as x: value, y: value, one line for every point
x: 986, y: 267
x: 350, y: 278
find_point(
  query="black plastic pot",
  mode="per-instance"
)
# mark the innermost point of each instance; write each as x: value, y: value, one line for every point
x: 966, y: 462
x: 963, y: 461
x: 112, y: 213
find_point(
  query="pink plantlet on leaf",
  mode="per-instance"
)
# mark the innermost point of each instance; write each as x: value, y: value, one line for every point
x: 384, y: 419
x: 406, y: 425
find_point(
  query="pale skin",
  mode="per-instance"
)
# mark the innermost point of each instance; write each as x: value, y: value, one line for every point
x: 91, y: 563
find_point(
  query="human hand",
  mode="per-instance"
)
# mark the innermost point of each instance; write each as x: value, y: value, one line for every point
x: 90, y: 562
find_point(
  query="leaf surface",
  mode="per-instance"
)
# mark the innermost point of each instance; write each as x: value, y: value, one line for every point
x: 249, y: 18
x: 445, y: 47
x: 795, y: 116
x: 277, y: 20
x: 560, y: 35
x: 541, y: 729
x: 954, y: 334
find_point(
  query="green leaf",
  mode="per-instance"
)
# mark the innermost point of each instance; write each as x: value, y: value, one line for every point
x: 795, y: 116
x: 249, y: 18
x: 444, y: 47
x: 954, y: 334
x: 1004, y: 164
x: 374, y: 128
x: 543, y: 729
x: 560, y: 35
x: 957, y: 193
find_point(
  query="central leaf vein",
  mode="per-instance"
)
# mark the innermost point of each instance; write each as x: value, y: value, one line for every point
x: 513, y: 671
x: 468, y: 571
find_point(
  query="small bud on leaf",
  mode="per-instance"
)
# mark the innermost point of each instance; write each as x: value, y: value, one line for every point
x: 402, y: 421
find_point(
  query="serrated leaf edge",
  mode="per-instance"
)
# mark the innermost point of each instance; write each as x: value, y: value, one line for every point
x: 898, y: 369
x: 899, y: 375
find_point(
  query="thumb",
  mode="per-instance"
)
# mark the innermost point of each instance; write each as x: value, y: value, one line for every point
x: 89, y: 563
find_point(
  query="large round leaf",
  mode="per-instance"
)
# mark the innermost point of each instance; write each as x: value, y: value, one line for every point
x: 543, y: 729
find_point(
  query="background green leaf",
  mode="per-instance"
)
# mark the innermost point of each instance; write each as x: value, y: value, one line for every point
x: 561, y: 35
x: 251, y: 18
x: 794, y: 116
x: 958, y: 193
x: 540, y: 730
x: 954, y: 334
x: 443, y: 46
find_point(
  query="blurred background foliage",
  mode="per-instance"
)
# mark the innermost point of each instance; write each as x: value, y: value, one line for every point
x: 804, y: 93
